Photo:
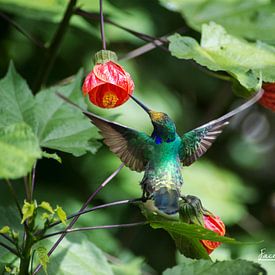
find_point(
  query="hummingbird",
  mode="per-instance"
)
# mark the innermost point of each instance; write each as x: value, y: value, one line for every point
x: 161, y: 154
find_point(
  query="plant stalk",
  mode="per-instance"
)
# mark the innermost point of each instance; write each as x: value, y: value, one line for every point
x: 102, y: 185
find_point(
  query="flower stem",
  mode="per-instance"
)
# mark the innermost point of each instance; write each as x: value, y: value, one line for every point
x: 102, y: 25
x: 63, y: 234
x: 89, y: 228
x: 52, y: 50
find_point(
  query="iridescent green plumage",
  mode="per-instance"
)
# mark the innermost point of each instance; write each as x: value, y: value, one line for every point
x: 161, y: 155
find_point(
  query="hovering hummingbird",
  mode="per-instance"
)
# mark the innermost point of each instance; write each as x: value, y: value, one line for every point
x: 162, y: 154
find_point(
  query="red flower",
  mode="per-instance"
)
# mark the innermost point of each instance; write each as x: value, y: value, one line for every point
x: 108, y: 84
x: 215, y: 224
x: 268, y: 98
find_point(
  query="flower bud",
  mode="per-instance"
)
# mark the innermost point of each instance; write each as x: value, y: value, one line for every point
x: 268, y: 98
x: 108, y: 84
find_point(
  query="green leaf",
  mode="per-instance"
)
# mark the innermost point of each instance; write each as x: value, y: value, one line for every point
x: 63, y: 127
x: 131, y: 268
x: 61, y: 214
x: 218, y: 50
x: 249, y: 19
x: 19, y: 150
x: 77, y: 255
x: 45, y: 205
x: 17, y: 101
x: 43, y: 257
x: 206, y: 267
x: 186, y: 236
x: 27, y: 210
x: 51, y: 156
x: 5, y: 230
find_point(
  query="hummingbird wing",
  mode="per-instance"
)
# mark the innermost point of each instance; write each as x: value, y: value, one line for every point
x: 196, y: 142
x: 128, y: 144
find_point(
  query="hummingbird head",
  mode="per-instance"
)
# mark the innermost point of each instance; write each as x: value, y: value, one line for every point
x: 164, y: 126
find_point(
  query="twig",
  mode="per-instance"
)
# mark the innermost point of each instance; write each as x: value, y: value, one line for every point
x: 92, y: 209
x: 89, y: 228
x: 144, y: 49
x: 33, y: 179
x: 54, y: 46
x: 88, y: 16
x: 24, y: 32
x: 102, y: 25
x: 10, y: 249
x: 102, y: 185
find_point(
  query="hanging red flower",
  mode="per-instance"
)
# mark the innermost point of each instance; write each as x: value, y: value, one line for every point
x: 268, y: 98
x: 215, y: 224
x: 108, y: 84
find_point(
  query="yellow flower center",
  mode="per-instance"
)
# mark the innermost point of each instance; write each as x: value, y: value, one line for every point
x: 109, y: 99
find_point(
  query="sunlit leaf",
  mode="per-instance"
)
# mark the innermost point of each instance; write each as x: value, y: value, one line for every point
x: 77, y: 255
x: 253, y: 19
x: 61, y: 214
x: 19, y: 150
x: 27, y: 210
x: 4, y: 230
x: 220, y: 51
x: 207, y: 267
x: 45, y: 205
x: 43, y: 257
x: 61, y: 126
x: 17, y: 102
x: 51, y: 156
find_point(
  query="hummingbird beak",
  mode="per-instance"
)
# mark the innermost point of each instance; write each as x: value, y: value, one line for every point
x: 146, y: 109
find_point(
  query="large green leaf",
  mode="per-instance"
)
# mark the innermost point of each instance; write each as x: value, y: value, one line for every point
x: 61, y: 126
x: 206, y: 267
x: 253, y: 19
x: 19, y: 149
x: 218, y: 50
x: 55, y: 124
x: 17, y: 102
x: 186, y: 236
x: 77, y: 255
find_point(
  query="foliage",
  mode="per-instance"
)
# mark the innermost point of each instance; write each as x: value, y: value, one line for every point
x: 34, y: 126
x: 207, y: 267
x: 250, y: 63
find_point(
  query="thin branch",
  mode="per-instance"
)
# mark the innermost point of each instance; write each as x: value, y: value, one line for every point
x: 102, y: 185
x: 89, y: 228
x: 9, y: 248
x: 102, y: 25
x: 88, y: 16
x: 144, y: 49
x: 22, y: 31
x: 93, y: 209
x: 33, y: 179
x: 53, y: 49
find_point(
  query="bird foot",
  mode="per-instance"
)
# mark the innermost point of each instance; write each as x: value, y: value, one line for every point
x: 191, y: 210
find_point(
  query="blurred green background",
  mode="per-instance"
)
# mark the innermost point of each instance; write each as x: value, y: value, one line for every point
x: 235, y: 179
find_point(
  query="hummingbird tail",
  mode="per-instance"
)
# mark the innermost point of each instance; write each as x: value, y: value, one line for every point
x: 166, y: 200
